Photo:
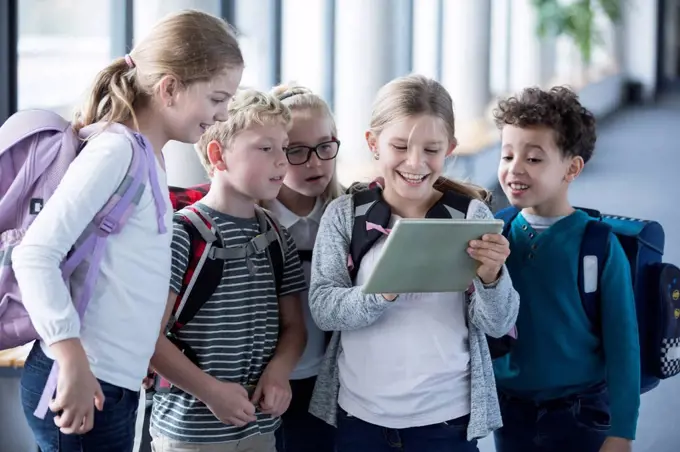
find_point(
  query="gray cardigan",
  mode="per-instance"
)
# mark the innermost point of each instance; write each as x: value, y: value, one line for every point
x: 337, y: 305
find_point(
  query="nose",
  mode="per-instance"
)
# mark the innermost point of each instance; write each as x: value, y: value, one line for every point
x: 281, y: 159
x: 516, y: 167
x: 314, y: 160
x: 414, y: 157
x: 221, y: 114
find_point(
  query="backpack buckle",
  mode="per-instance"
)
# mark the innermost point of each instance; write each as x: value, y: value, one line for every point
x: 108, y: 225
x: 258, y: 244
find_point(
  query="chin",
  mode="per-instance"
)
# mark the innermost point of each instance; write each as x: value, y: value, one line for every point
x: 267, y: 195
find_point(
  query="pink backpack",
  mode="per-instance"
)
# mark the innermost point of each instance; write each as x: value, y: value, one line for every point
x: 36, y: 148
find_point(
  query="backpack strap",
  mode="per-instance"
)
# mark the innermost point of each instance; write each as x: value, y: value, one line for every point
x: 451, y: 205
x: 593, y: 255
x: 305, y: 255
x: 109, y: 220
x: 204, y: 272
x: 276, y: 247
x: 508, y: 216
x: 369, y: 207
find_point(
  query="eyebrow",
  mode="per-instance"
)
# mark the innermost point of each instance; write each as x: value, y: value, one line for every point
x: 224, y: 93
x: 323, y: 139
x: 535, y: 146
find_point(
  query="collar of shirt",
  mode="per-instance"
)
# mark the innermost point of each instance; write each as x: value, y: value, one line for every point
x: 287, y: 218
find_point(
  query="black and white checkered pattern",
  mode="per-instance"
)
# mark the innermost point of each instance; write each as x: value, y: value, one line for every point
x: 670, y: 357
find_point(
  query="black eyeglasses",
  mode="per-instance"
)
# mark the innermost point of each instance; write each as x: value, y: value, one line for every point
x: 299, y: 155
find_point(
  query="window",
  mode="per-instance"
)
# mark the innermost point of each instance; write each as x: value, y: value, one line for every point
x: 307, y: 45
x: 62, y: 46
x: 258, y: 23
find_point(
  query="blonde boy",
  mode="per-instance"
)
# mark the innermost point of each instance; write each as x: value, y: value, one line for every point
x: 247, y: 338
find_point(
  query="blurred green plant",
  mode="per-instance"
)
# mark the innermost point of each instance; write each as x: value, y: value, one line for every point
x: 576, y: 19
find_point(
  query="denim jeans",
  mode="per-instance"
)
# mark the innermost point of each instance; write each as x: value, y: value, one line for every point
x: 301, y: 431
x: 575, y: 423
x: 114, y: 427
x: 355, y: 435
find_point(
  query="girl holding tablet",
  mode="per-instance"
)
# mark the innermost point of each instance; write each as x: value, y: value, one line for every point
x: 414, y: 370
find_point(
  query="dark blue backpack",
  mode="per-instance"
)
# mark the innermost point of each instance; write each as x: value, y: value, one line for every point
x: 656, y: 286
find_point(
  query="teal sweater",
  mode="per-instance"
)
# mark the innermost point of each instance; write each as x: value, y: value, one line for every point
x: 556, y: 353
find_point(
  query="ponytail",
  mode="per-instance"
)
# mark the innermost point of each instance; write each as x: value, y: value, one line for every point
x: 112, y: 98
x: 444, y: 184
x: 192, y: 46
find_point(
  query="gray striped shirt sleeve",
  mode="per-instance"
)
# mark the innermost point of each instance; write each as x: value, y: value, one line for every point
x: 180, y: 256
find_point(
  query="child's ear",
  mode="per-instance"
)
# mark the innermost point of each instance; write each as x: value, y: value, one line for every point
x: 372, y: 141
x: 452, y: 147
x: 214, y: 151
x: 168, y: 88
x: 574, y: 169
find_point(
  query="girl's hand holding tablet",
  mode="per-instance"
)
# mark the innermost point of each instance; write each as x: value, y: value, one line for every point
x: 491, y: 251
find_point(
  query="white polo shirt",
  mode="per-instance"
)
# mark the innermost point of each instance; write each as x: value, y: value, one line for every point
x: 303, y: 230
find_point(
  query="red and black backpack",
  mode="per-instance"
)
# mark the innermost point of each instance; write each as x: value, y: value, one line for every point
x: 207, y: 257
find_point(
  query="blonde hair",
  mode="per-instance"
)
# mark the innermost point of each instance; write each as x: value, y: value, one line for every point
x: 190, y: 45
x: 301, y: 99
x: 413, y: 95
x: 248, y: 107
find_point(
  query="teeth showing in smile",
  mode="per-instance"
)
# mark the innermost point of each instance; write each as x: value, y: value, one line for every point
x: 517, y: 186
x: 411, y: 177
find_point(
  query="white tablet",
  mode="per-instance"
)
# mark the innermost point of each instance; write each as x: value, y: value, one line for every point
x: 428, y: 255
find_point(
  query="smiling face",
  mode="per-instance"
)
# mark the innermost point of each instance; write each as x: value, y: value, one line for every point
x: 200, y: 105
x: 411, y: 154
x: 310, y: 130
x: 533, y: 172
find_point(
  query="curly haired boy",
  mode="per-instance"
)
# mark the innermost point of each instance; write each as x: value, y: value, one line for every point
x: 568, y: 384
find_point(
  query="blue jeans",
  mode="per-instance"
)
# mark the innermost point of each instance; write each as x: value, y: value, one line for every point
x: 114, y: 427
x: 575, y: 423
x: 301, y: 431
x: 355, y: 435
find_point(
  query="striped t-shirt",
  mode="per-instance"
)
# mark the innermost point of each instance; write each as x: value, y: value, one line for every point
x: 234, y: 334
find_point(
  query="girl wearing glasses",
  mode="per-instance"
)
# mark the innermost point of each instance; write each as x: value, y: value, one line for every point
x: 310, y: 184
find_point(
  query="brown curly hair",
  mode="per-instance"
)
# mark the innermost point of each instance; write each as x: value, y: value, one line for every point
x: 558, y: 109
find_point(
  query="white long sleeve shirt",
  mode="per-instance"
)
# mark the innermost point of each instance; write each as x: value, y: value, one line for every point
x: 122, y: 320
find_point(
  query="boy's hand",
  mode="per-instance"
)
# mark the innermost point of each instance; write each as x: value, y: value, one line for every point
x: 78, y: 392
x: 229, y: 403
x: 273, y: 393
x: 491, y: 252
x: 615, y: 444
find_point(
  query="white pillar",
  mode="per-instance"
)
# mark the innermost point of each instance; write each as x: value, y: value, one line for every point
x: 465, y: 66
x: 363, y: 63
x: 533, y: 59
x: 255, y: 22
x: 465, y: 55
x: 500, y: 48
x: 182, y: 164
x: 306, y: 49
x: 640, y: 25
x: 427, y: 37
